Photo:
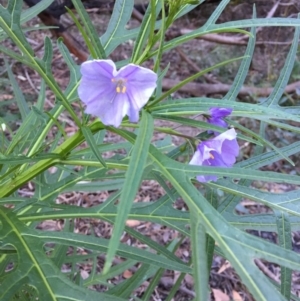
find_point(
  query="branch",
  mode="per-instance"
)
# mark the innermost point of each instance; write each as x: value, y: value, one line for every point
x: 199, y: 89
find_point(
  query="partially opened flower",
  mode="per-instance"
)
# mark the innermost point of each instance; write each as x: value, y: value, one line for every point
x: 111, y: 94
x: 220, y: 151
x: 217, y: 115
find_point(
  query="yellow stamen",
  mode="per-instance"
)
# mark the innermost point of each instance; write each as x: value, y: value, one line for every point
x: 120, y: 85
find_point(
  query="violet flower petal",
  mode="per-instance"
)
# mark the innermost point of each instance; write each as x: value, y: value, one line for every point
x: 110, y: 94
x: 220, y: 151
x: 219, y: 112
x: 138, y: 77
x: 216, y: 115
x: 218, y: 122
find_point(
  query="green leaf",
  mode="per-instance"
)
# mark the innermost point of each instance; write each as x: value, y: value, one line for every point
x: 42, y: 96
x: 199, y: 255
x: 159, y: 272
x: 269, y: 157
x: 71, y: 90
x: 127, y: 287
x: 10, y: 23
x: 285, y: 241
x: 21, y: 138
x: 212, y: 197
x: 92, y: 144
x: 239, y: 248
x: 91, y: 31
x: 200, y: 105
x: 116, y: 26
x: 15, y: 56
x: 33, y: 11
x: 244, y: 67
x: 204, y: 125
x: 41, y: 273
x: 191, y: 78
x: 229, y: 27
x: 47, y: 57
x: 101, y: 245
x: 132, y: 181
x: 113, y: 272
x: 144, y: 31
x: 187, y: 8
x: 154, y: 212
x: 161, y: 39
x: 11, y: 160
x: 216, y: 14
x: 287, y: 202
x: 285, y: 72
x: 23, y: 107
x: 262, y: 140
x: 234, y: 172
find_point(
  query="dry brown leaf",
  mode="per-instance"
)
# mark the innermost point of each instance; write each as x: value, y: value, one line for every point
x: 127, y: 274
x: 189, y: 280
x: 236, y: 296
x: 249, y: 203
x: 132, y: 223
x: 220, y: 296
x: 6, y: 96
x: 224, y: 267
x: 84, y: 274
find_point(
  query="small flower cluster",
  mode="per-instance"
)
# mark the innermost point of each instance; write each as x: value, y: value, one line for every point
x: 219, y: 151
x: 111, y: 94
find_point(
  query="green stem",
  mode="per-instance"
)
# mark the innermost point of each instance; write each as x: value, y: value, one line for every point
x: 161, y: 38
x: 36, y: 66
x: 191, y: 78
x: 40, y: 166
x: 163, y: 130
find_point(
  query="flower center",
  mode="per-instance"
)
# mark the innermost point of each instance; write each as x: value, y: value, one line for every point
x: 120, y: 84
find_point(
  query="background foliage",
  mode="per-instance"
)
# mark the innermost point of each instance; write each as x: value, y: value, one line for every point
x: 32, y: 259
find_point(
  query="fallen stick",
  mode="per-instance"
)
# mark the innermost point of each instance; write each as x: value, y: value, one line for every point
x: 199, y: 89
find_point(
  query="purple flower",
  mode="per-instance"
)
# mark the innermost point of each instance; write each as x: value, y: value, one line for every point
x: 111, y: 94
x: 220, y: 151
x: 216, y: 115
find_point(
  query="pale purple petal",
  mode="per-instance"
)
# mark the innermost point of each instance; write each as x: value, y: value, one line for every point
x: 141, y: 83
x: 197, y: 158
x: 95, y: 81
x: 216, y: 115
x: 138, y: 75
x: 111, y: 112
x: 204, y: 179
x: 91, y: 92
x: 204, y: 149
x: 220, y: 151
x: 138, y: 98
x: 230, y: 150
x: 114, y: 113
x: 217, y: 160
x: 218, y: 122
x: 110, y: 94
x: 217, y: 142
x: 219, y: 112
x: 98, y: 69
